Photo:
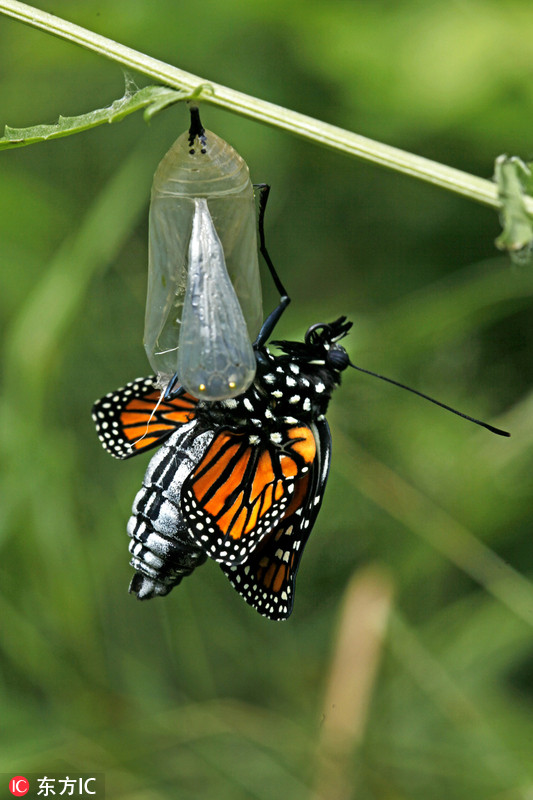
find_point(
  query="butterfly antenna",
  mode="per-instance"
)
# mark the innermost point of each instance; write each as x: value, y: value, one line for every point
x: 486, y: 425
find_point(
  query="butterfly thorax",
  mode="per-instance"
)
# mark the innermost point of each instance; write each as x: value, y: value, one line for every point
x: 296, y: 389
x: 286, y: 391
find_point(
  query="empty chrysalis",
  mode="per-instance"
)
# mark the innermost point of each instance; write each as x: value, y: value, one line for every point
x: 215, y: 355
x: 203, y: 305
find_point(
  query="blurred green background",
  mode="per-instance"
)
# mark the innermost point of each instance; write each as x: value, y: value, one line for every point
x: 196, y: 696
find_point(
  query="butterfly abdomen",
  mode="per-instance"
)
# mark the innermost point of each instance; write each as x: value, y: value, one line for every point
x: 162, y: 551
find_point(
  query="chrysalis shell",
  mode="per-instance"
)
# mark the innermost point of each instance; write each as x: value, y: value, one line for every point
x: 211, y: 170
x: 215, y: 356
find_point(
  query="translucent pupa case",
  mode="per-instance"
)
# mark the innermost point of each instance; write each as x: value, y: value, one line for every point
x: 204, y: 294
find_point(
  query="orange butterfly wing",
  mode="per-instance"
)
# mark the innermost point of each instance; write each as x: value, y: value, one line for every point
x: 242, y: 488
x: 136, y: 418
x: 267, y: 580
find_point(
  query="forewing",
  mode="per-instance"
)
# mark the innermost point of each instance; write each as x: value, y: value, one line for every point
x: 242, y: 488
x: 136, y: 418
x: 267, y: 579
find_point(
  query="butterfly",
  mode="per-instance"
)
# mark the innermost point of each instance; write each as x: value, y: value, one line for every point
x: 240, y: 480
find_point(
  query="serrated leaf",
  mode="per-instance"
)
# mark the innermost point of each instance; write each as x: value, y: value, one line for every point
x: 514, y: 180
x: 152, y: 98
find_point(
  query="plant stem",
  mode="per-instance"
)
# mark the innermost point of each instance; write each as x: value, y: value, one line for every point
x: 471, y: 186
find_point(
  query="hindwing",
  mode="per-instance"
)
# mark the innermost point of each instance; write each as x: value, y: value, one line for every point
x: 266, y: 579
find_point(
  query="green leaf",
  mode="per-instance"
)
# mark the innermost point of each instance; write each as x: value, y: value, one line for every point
x: 514, y: 180
x: 151, y: 98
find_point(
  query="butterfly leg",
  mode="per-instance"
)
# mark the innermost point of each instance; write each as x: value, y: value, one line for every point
x: 271, y: 321
x: 171, y: 392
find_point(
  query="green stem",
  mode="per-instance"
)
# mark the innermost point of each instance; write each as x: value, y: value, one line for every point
x: 471, y: 186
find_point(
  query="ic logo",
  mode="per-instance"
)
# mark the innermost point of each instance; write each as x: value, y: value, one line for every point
x: 19, y: 786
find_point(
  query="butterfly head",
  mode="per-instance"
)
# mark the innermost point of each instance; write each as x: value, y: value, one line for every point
x: 301, y: 380
x: 320, y: 347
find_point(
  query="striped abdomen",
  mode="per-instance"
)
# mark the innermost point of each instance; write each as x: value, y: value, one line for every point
x: 162, y: 551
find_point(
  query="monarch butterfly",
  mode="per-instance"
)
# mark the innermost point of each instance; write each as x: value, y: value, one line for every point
x: 203, y: 304
x: 239, y: 480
